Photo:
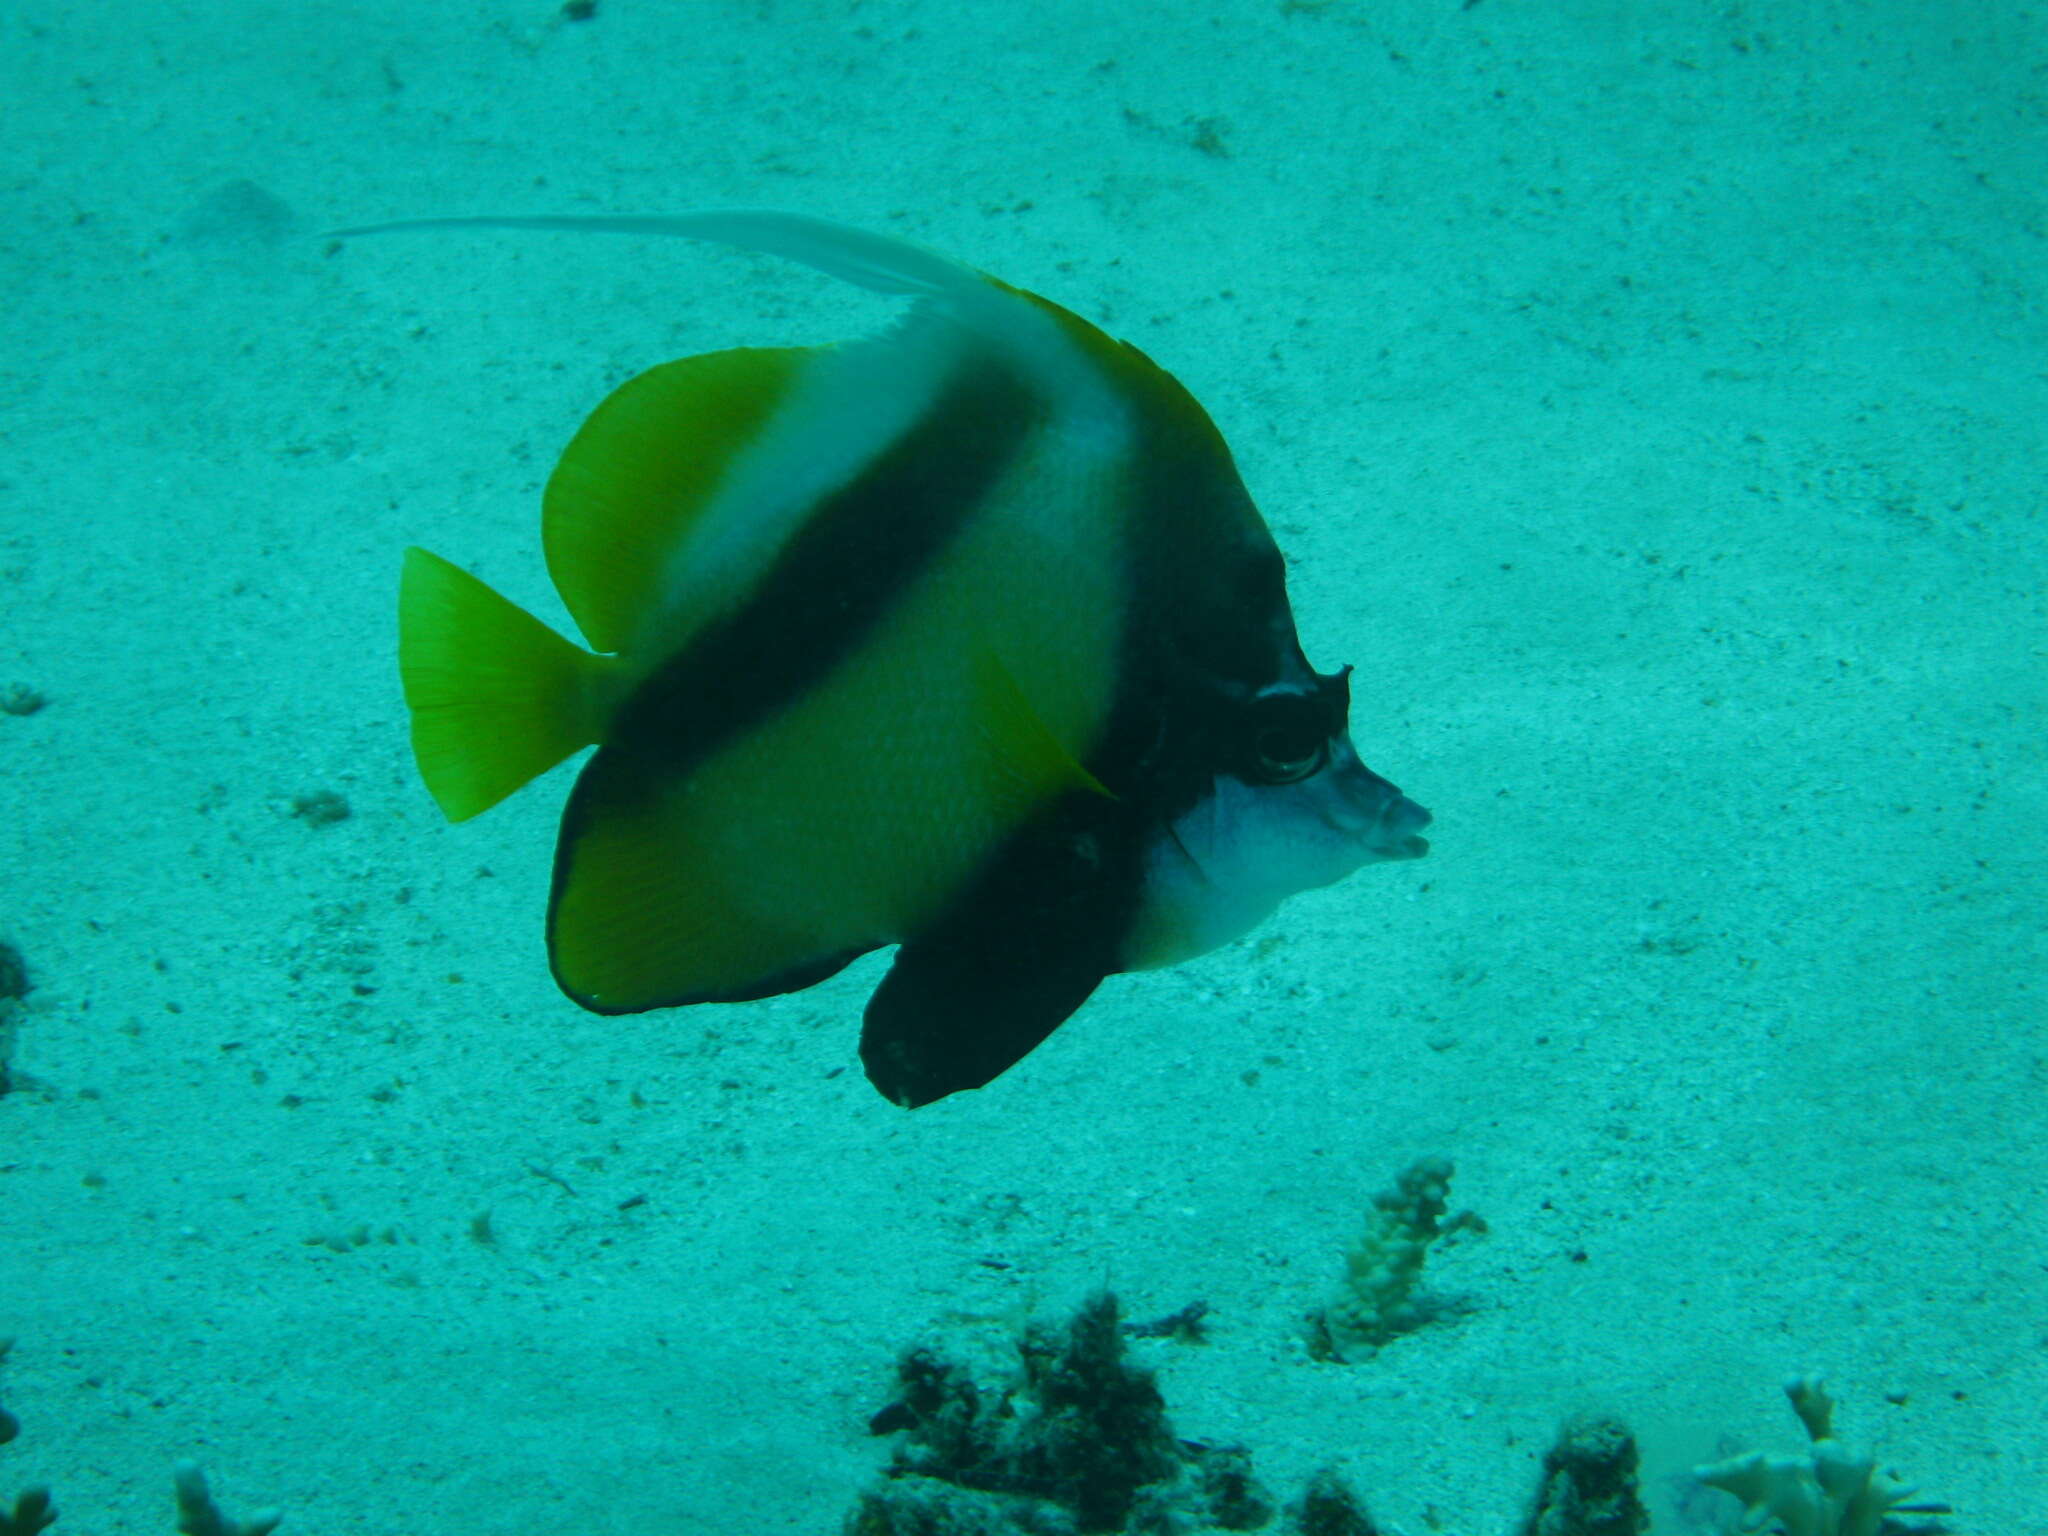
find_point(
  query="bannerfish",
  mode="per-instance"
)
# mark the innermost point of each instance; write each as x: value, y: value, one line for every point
x: 965, y: 638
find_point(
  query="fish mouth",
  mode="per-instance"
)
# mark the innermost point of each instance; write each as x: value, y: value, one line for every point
x: 1395, y: 836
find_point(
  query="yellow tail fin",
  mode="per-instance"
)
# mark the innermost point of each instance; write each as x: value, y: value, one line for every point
x: 496, y: 696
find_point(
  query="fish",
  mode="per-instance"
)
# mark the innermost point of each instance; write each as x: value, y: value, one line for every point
x: 965, y: 637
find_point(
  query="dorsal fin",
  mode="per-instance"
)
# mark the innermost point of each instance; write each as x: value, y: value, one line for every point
x: 651, y: 457
x: 882, y: 263
x: 640, y: 471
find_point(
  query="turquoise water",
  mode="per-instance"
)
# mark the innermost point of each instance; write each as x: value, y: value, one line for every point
x: 1650, y: 402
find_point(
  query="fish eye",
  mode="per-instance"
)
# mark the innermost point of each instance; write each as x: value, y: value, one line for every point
x: 1289, y: 741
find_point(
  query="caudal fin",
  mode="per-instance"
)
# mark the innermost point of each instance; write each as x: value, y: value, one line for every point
x: 497, y: 697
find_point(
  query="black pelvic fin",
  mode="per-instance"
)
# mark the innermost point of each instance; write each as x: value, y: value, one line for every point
x: 1020, y: 951
x: 947, y: 1018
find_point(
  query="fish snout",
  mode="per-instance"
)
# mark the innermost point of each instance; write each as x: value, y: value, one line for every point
x: 1395, y: 836
x: 1379, y: 815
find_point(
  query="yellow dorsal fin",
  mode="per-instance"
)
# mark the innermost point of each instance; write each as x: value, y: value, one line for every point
x: 637, y: 475
x: 496, y: 696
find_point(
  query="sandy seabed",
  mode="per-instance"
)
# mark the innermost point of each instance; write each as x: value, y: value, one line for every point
x: 1650, y: 400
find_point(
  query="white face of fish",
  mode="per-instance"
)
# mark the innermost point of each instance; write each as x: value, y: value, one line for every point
x: 1221, y: 869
